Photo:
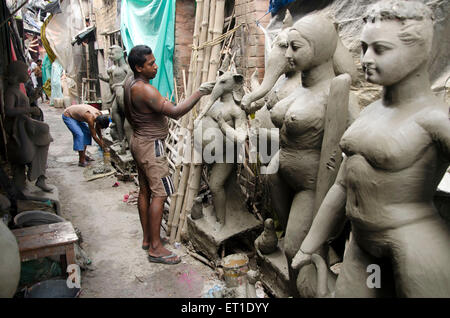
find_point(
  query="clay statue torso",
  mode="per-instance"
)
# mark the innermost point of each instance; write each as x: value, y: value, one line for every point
x: 386, y: 148
x: 20, y: 99
x: 300, y: 119
x: 117, y: 74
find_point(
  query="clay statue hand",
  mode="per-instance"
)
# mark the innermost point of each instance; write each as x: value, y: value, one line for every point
x: 301, y: 259
x: 206, y: 88
x: 245, y: 103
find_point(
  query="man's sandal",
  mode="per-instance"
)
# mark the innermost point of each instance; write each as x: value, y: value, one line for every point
x: 165, y: 259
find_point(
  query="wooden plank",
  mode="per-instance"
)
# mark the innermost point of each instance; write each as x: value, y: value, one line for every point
x: 42, y: 252
x: 61, y: 235
x: 70, y: 254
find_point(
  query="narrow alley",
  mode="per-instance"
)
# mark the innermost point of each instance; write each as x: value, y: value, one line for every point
x: 111, y: 231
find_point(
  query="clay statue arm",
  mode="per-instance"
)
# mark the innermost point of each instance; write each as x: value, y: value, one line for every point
x: 104, y: 78
x: 238, y: 134
x: 329, y: 216
x: 438, y: 126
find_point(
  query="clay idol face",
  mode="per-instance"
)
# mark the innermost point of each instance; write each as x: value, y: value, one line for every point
x: 385, y: 58
x: 299, y: 53
x: 115, y: 53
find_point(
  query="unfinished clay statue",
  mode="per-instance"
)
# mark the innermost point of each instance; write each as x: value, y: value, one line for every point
x: 267, y: 242
x: 28, y: 139
x: 397, y: 151
x: 222, y: 115
x: 117, y: 74
x: 300, y: 116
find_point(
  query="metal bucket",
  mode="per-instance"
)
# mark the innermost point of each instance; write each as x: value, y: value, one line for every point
x: 235, y: 268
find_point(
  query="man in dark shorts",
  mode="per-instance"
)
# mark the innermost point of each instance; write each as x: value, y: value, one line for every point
x: 146, y: 110
x: 85, y: 121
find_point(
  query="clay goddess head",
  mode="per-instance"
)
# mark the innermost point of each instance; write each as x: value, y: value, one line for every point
x: 115, y: 53
x: 312, y: 41
x: 396, y: 40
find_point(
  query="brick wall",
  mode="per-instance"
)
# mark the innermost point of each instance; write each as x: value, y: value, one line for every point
x: 184, y: 31
x: 250, y: 38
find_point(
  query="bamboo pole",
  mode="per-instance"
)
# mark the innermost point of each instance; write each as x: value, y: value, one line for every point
x: 198, y: 18
x: 201, y: 52
x: 178, y: 165
x: 218, y: 28
x: 212, y: 15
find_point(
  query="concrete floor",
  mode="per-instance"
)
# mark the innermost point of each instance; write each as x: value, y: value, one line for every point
x: 111, y: 230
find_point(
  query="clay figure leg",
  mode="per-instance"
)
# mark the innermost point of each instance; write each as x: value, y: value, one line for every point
x: 280, y: 194
x: 299, y: 223
x: 421, y: 256
x: 352, y: 279
x: 117, y: 118
x: 219, y: 175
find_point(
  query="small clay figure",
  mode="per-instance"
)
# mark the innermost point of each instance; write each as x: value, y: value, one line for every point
x: 28, y: 139
x: 397, y: 151
x: 267, y: 242
x: 116, y: 77
x: 222, y: 115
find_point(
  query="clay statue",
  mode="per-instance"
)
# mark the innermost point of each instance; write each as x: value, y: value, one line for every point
x: 267, y: 242
x: 117, y: 74
x: 397, y: 151
x: 28, y: 139
x: 311, y: 55
x: 222, y: 115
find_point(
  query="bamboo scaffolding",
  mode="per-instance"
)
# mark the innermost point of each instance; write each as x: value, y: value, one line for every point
x: 196, y: 169
x: 218, y: 28
x: 198, y: 18
x: 212, y: 13
x: 178, y: 164
x: 201, y: 52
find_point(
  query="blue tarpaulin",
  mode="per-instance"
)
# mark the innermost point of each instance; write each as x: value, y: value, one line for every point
x: 152, y: 22
x: 276, y: 5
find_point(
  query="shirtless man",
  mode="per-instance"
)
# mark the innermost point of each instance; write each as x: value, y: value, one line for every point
x: 146, y: 110
x: 84, y: 122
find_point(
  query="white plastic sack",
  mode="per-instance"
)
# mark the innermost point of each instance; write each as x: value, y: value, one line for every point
x: 60, y: 31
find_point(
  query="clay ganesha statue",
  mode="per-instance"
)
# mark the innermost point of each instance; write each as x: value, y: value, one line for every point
x: 222, y: 119
x: 397, y: 151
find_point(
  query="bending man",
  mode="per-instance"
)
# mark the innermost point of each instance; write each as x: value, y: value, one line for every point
x: 85, y: 121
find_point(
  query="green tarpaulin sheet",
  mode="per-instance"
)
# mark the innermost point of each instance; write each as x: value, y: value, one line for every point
x: 152, y: 22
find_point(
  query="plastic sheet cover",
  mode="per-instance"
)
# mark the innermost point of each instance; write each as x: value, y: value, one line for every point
x: 59, y: 33
x: 152, y: 22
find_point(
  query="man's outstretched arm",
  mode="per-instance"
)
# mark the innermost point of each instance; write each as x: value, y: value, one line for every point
x: 153, y: 99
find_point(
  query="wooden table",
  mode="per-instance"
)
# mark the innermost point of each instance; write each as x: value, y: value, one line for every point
x: 47, y: 240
